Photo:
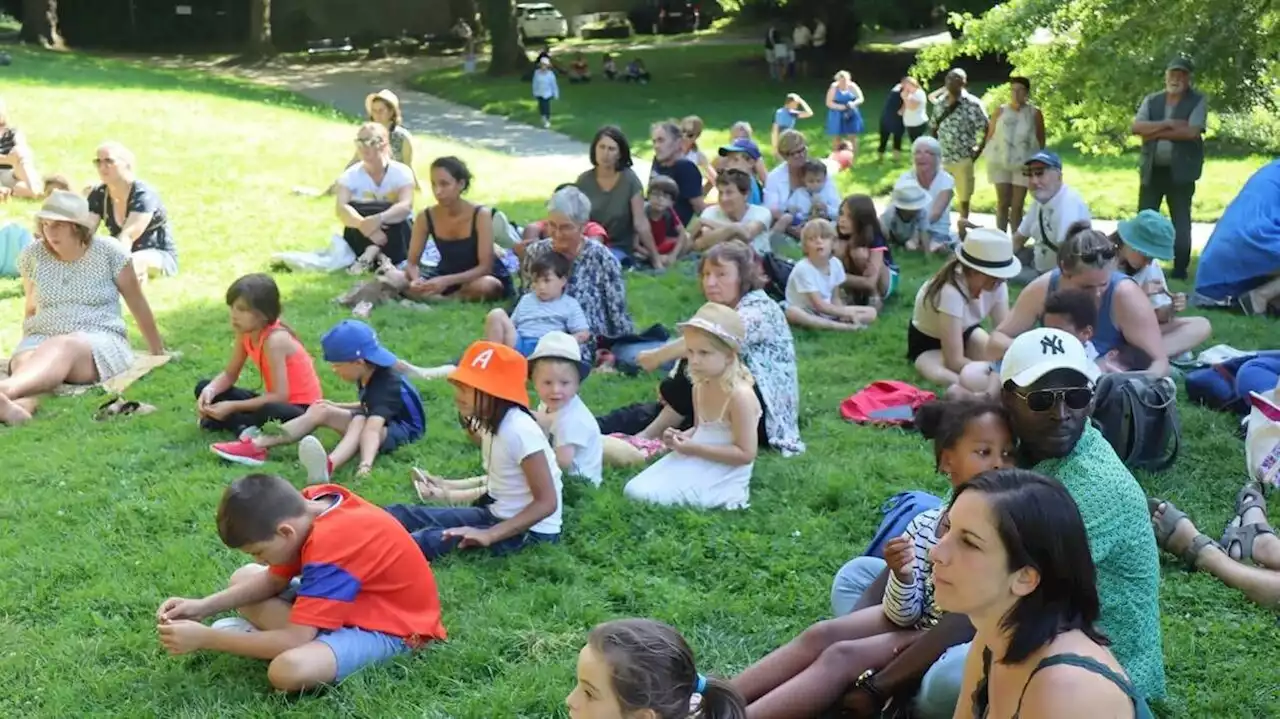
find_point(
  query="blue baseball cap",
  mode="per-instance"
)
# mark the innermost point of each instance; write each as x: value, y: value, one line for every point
x: 352, y: 340
x: 1046, y: 158
x: 743, y: 145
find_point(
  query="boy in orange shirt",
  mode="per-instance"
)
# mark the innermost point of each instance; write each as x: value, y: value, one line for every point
x: 341, y: 586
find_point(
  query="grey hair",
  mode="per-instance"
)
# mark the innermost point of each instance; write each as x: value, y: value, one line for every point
x: 742, y: 125
x: 669, y: 128
x: 930, y: 144
x: 121, y: 154
x: 570, y: 202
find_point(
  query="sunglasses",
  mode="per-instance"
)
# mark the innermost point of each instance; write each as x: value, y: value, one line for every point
x: 1043, y: 400
x: 370, y: 142
x: 1098, y: 257
x: 100, y: 161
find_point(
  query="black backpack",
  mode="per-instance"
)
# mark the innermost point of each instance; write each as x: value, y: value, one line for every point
x: 1139, y: 417
x: 777, y: 270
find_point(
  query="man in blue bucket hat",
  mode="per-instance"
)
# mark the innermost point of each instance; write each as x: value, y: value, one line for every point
x: 1145, y: 239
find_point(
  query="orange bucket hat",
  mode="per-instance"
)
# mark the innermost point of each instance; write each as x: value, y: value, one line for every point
x: 494, y: 369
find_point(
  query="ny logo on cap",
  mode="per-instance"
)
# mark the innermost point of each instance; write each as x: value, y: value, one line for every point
x: 482, y: 360
x: 1052, y: 345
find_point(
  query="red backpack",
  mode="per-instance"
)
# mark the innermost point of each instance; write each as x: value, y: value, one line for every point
x: 885, y: 402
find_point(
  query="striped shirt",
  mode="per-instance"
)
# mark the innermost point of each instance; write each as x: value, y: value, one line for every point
x: 911, y: 604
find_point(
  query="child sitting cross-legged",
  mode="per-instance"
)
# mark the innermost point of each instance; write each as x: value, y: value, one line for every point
x: 341, y: 586
x: 290, y: 384
x: 805, y: 202
x: 871, y: 276
x: 670, y: 238
x: 388, y: 414
x: 1143, y: 240
x: 812, y: 300
x: 811, y: 673
x: 710, y: 463
x: 519, y: 503
x: 546, y: 309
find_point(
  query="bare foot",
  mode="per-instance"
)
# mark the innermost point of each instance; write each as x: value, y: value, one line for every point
x: 12, y: 413
x: 426, y: 486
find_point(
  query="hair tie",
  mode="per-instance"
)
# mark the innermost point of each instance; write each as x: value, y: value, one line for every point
x: 700, y: 686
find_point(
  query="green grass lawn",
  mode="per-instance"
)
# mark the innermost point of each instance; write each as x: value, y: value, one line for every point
x: 725, y: 84
x: 103, y: 521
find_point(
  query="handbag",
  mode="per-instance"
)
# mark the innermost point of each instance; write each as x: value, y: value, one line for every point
x: 1262, y: 440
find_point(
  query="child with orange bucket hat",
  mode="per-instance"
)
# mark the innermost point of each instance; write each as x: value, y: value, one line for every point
x: 522, y: 503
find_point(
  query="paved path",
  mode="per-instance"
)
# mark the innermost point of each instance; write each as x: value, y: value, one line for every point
x: 533, y: 149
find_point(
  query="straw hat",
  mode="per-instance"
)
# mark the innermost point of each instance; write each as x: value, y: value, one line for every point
x: 64, y: 206
x: 386, y: 96
x: 720, y: 321
x: 990, y: 252
x: 909, y: 195
x: 494, y: 369
x: 557, y: 345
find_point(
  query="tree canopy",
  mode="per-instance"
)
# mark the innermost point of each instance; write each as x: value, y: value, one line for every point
x: 1092, y: 61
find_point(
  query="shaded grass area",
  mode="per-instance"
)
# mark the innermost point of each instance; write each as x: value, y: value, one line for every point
x: 103, y: 521
x: 725, y: 84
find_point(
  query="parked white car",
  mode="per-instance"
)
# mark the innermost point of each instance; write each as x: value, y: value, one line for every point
x: 539, y: 21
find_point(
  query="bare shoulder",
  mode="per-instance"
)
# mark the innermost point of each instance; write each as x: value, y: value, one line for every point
x: 743, y: 399
x: 280, y: 341
x: 1066, y: 691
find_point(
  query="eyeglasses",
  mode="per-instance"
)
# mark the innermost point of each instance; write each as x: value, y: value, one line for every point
x: 1098, y: 257
x: 796, y: 152
x: 1043, y: 400
x: 100, y: 161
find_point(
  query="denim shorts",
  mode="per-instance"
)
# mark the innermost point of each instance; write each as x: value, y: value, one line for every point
x: 526, y: 345
x: 353, y: 648
x: 398, y: 433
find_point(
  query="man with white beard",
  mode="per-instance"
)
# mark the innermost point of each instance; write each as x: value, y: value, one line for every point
x: 1054, y: 209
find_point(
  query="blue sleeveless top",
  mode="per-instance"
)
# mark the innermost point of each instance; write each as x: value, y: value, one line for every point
x: 1106, y: 336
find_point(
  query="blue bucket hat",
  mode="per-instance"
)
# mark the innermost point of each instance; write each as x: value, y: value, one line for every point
x: 352, y: 340
x: 1150, y: 233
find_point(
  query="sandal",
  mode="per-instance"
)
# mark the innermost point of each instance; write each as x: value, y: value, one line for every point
x: 1243, y: 537
x: 1250, y: 496
x: 1165, y: 526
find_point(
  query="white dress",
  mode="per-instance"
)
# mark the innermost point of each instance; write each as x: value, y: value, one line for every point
x: 684, y: 479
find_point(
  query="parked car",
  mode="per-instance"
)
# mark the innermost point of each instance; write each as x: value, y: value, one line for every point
x: 540, y: 21
x: 661, y: 17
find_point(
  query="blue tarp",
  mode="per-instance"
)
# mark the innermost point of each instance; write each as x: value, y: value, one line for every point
x: 1244, y: 250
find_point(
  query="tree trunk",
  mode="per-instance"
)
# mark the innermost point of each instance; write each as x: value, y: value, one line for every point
x: 40, y: 23
x: 506, y: 53
x: 260, y: 29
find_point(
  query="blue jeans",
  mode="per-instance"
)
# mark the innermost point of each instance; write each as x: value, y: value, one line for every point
x: 940, y: 687
x: 427, y: 524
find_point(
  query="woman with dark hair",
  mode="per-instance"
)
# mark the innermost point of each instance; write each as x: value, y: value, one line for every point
x: 1088, y: 260
x: 616, y: 193
x: 375, y: 201
x: 463, y: 233
x: 1015, y: 132
x: 1015, y: 559
x: 871, y: 276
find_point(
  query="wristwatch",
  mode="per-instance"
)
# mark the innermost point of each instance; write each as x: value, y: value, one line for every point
x: 866, y: 683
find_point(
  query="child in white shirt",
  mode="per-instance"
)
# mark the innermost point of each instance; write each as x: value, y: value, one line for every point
x: 1143, y: 240
x: 574, y: 433
x: 812, y: 300
x: 805, y: 202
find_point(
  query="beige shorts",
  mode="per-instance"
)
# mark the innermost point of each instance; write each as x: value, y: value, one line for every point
x: 1006, y: 175
x: 962, y: 172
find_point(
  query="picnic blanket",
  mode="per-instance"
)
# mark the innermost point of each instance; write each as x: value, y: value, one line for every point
x: 142, y: 364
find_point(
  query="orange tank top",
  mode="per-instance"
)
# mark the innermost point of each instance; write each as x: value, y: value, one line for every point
x: 304, y: 385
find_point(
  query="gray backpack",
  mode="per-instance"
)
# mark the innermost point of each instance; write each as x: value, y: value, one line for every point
x: 1139, y: 417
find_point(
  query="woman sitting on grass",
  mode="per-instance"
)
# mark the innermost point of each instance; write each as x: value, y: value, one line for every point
x: 927, y: 172
x: 1016, y: 560
x: 945, y: 332
x: 813, y: 300
x: 463, y: 233
x: 133, y: 213
x: 18, y: 174
x: 810, y: 673
x: 871, y: 276
x: 72, y: 329
x: 375, y: 202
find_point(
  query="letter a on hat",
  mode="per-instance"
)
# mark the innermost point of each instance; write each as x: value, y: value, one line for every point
x: 482, y: 360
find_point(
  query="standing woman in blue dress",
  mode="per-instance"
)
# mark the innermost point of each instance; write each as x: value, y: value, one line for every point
x: 844, y: 119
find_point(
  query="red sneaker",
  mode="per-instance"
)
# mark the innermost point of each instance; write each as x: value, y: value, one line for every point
x: 241, y: 451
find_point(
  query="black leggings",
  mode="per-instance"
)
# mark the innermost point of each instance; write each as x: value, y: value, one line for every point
x: 238, y: 421
x: 891, y: 129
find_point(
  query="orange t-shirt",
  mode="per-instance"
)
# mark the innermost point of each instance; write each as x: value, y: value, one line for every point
x: 360, y: 568
x: 304, y: 385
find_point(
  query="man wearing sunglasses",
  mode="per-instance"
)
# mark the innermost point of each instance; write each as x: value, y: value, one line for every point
x: 1054, y: 208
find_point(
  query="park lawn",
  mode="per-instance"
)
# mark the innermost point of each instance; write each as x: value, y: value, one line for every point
x: 103, y: 521
x: 726, y: 83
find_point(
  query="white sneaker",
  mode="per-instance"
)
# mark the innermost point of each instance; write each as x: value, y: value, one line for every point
x: 234, y: 624
x: 314, y: 459
x: 546, y: 123
x: 430, y: 373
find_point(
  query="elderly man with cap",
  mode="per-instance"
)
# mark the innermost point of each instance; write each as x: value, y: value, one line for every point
x: 1171, y: 124
x: 961, y: 129
x: 1054, y: 208
x: 1047, y: 388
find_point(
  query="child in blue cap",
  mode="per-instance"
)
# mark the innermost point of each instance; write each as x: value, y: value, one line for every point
x: 389, y: 412
x: 1143, y: 240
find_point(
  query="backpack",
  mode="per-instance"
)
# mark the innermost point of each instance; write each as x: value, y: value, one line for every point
x: 1215, y: 386
x: 885, y: 402
x: 898, y: 512
x: 14, y: 238
x: 777, y: 270
x: 1139, y: 417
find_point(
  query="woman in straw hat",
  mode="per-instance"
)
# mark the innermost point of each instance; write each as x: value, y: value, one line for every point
x: 945, y: 332
x: 73, y: 331
x: 710, y: 463
x: 383, y: 108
